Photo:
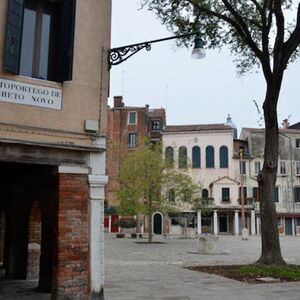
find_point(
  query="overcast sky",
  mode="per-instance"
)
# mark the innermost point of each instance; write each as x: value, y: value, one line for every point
x: 192, y: 91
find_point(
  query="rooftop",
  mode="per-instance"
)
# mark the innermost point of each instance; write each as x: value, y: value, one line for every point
x: 197, y: 127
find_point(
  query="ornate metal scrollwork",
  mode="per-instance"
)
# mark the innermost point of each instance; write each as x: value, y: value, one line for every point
x: 118, y: 55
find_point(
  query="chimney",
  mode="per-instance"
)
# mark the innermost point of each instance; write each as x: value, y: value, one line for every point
x: 118, y: 101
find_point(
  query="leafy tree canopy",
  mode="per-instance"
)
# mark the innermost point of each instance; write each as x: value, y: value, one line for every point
x: 257, y: 31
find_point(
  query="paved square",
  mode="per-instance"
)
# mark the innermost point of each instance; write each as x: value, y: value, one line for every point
x: 142, y: 272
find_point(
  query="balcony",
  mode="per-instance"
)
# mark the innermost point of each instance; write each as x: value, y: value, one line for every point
x: 225, y: 200
x: 207, y: 201
x: 247, y: 201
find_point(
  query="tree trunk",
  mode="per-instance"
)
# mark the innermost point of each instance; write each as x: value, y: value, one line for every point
x: 150, y: 220
x: 271, y: 252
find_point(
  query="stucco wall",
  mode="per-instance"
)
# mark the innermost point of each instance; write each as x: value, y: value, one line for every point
x: 85, y: 97
x: 203, y: 139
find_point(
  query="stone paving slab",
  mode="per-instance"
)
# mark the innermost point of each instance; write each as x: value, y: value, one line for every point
x: 157, y: 272
x: 139, y: 272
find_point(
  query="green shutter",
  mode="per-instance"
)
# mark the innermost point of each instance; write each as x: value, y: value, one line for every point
x: 210, y: 157
x: 196, y: 157
x: 225, y: 194
x: 66, y: 40
x: 223, y: 157
x: 182, y: 157
x: 276, y: 194
x: 13, y: 36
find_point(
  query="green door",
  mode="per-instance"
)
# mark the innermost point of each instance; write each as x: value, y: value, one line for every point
x: 157, y: 222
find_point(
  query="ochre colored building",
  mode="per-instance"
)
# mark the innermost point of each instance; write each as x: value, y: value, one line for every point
x: 53, y: 104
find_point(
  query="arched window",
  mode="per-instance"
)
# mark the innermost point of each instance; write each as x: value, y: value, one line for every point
x: 204, y: 193
x: 223, y: 157
x: 169, y: 156
x: 182, y: 163
x: 196, y: 157
x: 171, y: 195
x: 210, y: 157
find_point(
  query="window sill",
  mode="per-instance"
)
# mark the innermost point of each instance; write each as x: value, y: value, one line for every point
x: 36, y: 81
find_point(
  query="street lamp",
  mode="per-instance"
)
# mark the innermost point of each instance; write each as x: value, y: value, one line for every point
x: 120, y: 54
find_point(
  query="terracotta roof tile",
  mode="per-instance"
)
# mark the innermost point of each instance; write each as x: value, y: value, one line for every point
x: 199, y: 127
x: 261, y: 130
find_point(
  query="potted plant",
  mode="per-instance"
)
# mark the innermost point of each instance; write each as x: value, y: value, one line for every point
x: 125, y: 224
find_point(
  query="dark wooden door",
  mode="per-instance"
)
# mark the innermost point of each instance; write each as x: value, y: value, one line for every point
x: 157, y: 222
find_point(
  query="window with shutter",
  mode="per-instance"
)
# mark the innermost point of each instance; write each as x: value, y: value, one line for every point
x: 225, y: 194
x: 39, y: 39
x: 182, y: 163
x: 223, y: 157
x: 276, y: 194
x: 196, y: 157
x: 297, y: 194
x: 210, y: 157
x: 169, y: 156
x: 13, y: 36
x: 255, y: 193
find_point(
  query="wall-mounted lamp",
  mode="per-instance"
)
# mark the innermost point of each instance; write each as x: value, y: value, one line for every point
x: 120, y: 54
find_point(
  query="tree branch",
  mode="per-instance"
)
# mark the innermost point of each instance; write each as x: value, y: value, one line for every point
x: 294, y: 40
x: 248, y: 38
x: 259, y: 7
x: 278, y: 47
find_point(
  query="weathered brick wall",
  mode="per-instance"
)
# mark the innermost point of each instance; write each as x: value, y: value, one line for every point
x: 71, y: 269
x: 34, y: 241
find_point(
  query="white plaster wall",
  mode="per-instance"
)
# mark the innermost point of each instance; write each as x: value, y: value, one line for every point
x: 203, y: 139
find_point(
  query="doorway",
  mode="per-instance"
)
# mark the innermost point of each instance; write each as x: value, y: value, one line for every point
x: 288, y: 226
x: 223, y: 224
x: 157, y: 223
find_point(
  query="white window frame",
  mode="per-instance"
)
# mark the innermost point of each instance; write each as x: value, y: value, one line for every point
x: 281, y: 167
x: 297, y: 143
x: 129, y: 113
x: 243, y: 163
x: 257, y: 165
x: 130, y: 144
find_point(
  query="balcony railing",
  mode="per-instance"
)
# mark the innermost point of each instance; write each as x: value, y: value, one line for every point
x: 247, y: 201
x: 206, y: 201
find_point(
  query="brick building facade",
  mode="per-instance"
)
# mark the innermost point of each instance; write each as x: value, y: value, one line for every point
x: 127, y: 128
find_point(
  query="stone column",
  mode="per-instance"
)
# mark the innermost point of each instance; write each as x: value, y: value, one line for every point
x: 97, y: 182
x: 199, y: 223
x: 293, y: 226
x: 253, y: 222
x: 97, y: 195
x: 109, y: 223
x: 236, y: 222
x: 258, y: 224
x: 215, y: 223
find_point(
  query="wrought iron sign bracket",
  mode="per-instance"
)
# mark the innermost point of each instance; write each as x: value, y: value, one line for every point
x: 120, y: 54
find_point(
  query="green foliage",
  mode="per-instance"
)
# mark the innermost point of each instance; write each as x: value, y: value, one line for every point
x: 283, y: 272
x: 125, y: 223
x: 247, y: 27
x: 144, y: 177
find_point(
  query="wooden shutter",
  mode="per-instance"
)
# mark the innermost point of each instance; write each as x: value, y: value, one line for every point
x: 13, y: 36
x: 66, y: 40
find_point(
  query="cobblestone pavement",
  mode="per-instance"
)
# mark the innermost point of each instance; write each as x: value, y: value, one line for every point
x: 143, y: 272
